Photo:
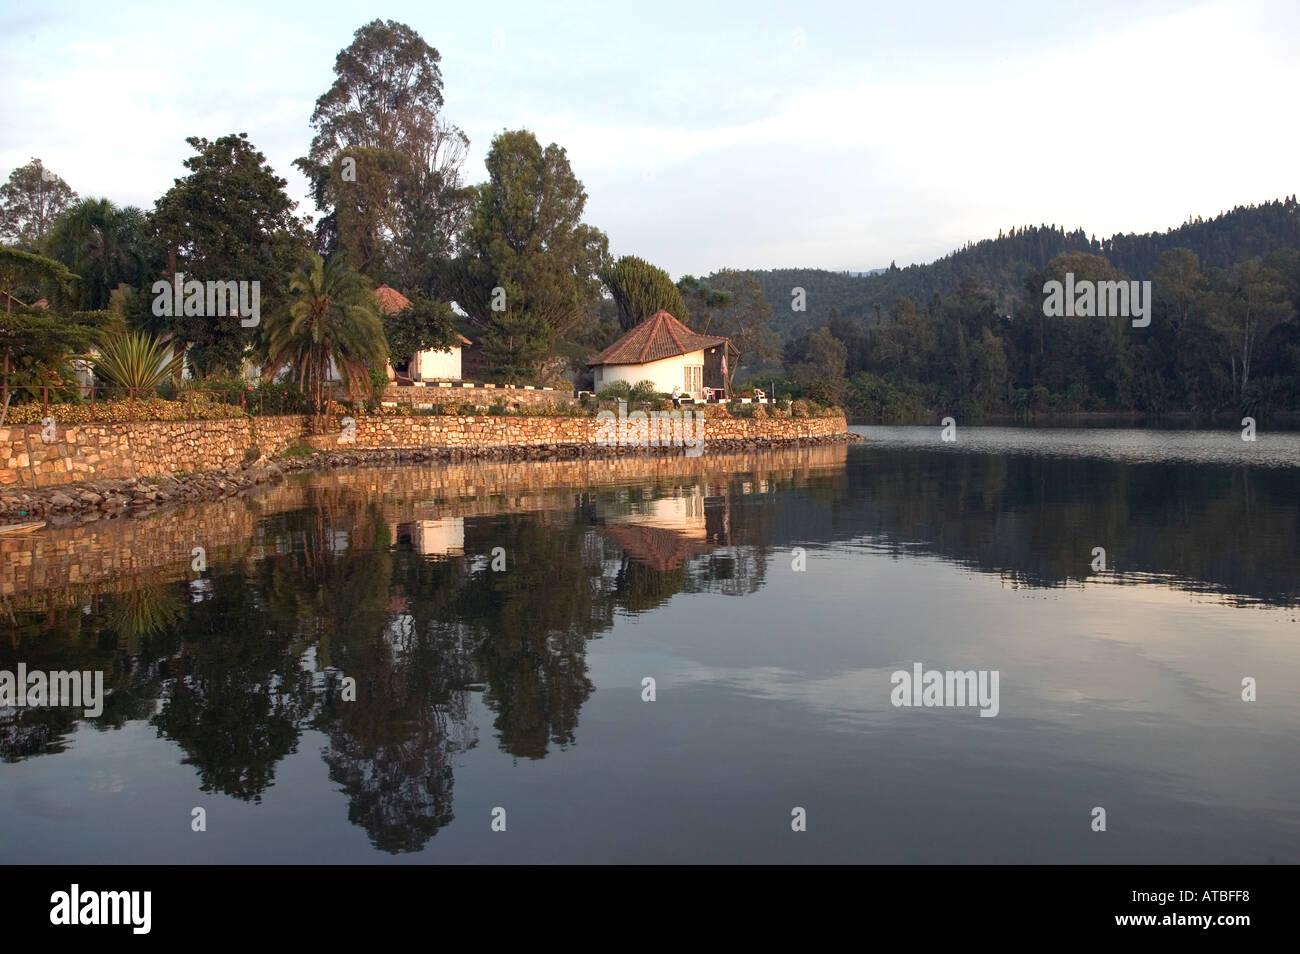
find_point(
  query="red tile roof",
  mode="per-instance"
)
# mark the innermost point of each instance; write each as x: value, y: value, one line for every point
x: 659, y: 336
x: 391, y: 301
x: 655, y: 547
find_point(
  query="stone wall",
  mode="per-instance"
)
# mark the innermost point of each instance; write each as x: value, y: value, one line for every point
x: 142, y: 449
x: 61, y: 566
x: 472, y: 432
x: 480, y: 395
x: 85, y: 452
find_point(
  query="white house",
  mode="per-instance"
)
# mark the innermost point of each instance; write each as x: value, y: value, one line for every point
x: 428, y: 365
x: 663, y: 350
x: 437, y: 365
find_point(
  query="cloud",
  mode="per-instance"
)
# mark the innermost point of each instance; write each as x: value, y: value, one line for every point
x: 712, y: 140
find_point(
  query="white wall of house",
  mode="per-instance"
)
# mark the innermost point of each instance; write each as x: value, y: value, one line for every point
x: 436, y: 365
x: 439, y: 537
x: 683, y: 513
x: 665, y: 373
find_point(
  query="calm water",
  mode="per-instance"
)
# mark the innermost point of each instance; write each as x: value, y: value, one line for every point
x: 521, y: 688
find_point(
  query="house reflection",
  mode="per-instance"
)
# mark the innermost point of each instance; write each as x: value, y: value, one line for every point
x: 665, y: 532
x: 434, y: 538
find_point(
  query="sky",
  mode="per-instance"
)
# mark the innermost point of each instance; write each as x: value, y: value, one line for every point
x: 710, y: 135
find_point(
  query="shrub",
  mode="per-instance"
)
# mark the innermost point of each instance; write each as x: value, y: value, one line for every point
x: 799, y: 408
x: 642, y: 392
x: 120, y: 412
x: 614, y: 391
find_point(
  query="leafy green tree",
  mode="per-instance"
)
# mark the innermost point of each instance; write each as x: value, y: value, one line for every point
x: 1084, y: 360
x: 426, y: 325
x: 526, y: 238
x: 228, y: 220
x: 700, y: 300
x: 1177, y: 283
x: 30, y: 202
x: 992, y: 371
x: 746, y: 319
x: 36, y: 343
x: 386, y: 91
x: 104, y: 245
x: 434, y: 204
x: 516, y: 344
x: 640, y: 289
x: 1245, y: 305
x: 385, y: 166
x: 329, y: 325
x: 361, y: 189
x: 825, y: 358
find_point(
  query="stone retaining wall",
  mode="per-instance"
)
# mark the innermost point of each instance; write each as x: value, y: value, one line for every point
x: 85, y: 452
x: 480, y: 395
x: 156, y: 546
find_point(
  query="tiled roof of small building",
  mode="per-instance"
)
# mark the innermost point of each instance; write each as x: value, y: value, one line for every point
x: 391, y: 301
x: 659, y: 336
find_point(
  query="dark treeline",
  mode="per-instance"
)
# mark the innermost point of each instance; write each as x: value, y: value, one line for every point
x: 1220, y: 340
x: 1001, y: 264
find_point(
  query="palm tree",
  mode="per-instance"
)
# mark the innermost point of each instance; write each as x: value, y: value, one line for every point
x: 103, y: 244
x: 329, y: 328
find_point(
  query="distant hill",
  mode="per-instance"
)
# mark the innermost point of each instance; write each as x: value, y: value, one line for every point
x: 1002, y: 263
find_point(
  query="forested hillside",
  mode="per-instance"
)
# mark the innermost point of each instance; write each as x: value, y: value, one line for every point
x: 1001, y: 264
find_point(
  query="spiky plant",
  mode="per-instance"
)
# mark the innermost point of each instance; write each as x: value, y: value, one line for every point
x: 137, y: 361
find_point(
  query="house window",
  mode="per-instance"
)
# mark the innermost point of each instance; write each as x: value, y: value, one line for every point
x: 694, y: 378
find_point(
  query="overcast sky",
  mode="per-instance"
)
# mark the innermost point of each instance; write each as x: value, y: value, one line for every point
x: 753, y: 134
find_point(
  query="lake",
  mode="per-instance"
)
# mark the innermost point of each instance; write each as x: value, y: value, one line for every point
x: 392, y: 663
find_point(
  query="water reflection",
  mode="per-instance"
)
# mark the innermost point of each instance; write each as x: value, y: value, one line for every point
x: 428, y: 592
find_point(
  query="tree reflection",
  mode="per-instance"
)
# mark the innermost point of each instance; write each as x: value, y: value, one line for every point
x: 235, y: 667
x: 237, y: 696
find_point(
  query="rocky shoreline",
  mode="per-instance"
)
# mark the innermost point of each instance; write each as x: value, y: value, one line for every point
x: 68, y: 504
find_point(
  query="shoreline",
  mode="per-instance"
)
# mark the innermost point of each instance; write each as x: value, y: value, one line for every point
x: 1127, y: 420
x: 112, y: 498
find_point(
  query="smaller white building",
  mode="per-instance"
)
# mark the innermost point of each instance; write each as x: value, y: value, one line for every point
x: 437, y: 365
x: 663, y: 350
x: 430, y: 365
